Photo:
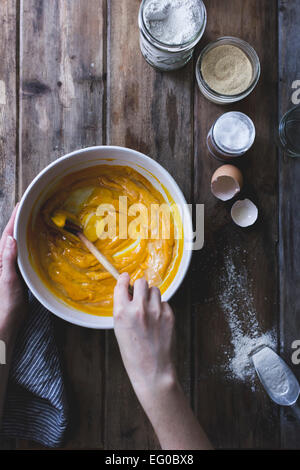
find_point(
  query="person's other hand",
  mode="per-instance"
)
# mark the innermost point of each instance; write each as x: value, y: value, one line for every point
x: 12, y: 289
x: 144, y: 327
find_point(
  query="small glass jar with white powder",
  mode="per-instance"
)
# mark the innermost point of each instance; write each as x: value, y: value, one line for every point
x: 231, y: 136
x: 169, y: 31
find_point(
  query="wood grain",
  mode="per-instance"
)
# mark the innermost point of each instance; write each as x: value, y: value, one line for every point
x: 67, y: 52
x: 8, y: 109
x: 8, y: 122
x: 151, y: 112
x: 62, y: 95
x: 289, y: 201
x: 236, y: 272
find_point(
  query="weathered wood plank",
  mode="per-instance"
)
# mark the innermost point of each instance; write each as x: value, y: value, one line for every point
x: 62, y: 96
x: 151, y: 112
x: 235, y: 275
x: 62, y: 109
x: 8, y: 122
x: 8, y: 112
x: 289, y: 200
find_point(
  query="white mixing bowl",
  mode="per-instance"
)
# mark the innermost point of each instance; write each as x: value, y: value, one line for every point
x: 37, y: 193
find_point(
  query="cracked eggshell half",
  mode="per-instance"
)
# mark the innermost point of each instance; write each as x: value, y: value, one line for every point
x: 244, y: 213
x: 226, y: 182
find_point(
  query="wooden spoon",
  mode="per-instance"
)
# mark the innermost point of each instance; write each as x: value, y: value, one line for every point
x: 76, y: 230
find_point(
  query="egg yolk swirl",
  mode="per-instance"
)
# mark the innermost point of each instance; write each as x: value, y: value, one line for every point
x: 69, y: 269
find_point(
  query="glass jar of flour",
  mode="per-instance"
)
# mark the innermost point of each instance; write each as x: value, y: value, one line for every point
x: 170, y: 30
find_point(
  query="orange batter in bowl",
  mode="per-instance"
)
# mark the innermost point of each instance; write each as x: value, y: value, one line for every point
x: 118, y: 209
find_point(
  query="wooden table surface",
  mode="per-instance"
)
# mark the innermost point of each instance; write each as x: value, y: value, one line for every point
x: 71, y: 76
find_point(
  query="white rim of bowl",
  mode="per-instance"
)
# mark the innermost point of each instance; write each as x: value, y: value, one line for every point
x: 188, y: 230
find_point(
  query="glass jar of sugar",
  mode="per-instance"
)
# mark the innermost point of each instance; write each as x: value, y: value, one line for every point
x: 169, y: 31
x: 231, y: 136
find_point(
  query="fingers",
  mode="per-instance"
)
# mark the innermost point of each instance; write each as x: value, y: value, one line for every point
x: 146, y: 301
x: 154, y: 300
x: 9, y: 229
x: 121, y: 294
x: 9, y: 257
x: 167, y: 312
x: 141, y: 291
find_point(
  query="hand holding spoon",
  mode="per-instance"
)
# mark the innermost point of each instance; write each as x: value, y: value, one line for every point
x: 63, y: 222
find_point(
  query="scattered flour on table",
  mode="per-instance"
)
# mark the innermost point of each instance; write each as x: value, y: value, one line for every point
x: 236, y: 301
x: 173, y: 21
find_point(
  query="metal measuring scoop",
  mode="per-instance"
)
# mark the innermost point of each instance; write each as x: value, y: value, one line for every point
x: 276, y: 377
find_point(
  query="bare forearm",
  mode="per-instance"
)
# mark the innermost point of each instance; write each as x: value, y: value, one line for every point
x: 144, y: 327
x: 172, y: 418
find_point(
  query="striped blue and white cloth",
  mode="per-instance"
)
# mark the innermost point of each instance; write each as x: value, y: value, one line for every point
x: 36, y: 405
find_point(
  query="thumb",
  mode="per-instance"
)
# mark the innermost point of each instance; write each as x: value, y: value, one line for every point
x: 9, y: 259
